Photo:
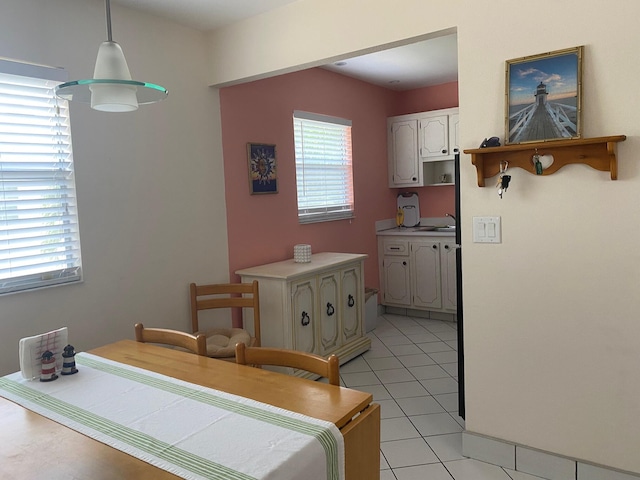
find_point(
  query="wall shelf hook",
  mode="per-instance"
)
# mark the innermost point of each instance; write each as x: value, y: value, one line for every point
x: 599, y: 153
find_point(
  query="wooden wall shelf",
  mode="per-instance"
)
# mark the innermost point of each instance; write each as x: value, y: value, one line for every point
x: 598, y: 153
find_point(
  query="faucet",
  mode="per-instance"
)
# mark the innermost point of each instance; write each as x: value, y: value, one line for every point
x: 452, y: 216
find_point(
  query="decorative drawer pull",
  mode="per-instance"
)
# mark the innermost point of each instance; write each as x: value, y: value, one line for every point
x: 306, y: 319
x: 351, y: 302
x: 330, y: 309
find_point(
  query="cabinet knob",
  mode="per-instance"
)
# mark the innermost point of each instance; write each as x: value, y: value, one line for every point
x: 446, y: 247
x: 404, y: 263
x: 330, y: 309
x: 435, y: 247
x: 444, y: 150
x: 414, y: 179
x: 306, y: 319
x: 455, y: 150
x: 351, y: 302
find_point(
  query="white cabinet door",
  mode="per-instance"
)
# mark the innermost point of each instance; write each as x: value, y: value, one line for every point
x: 454, y: 133
x: 448, y: 266
x: 426, y: 274
x: 418, y: 272
x: 328, y: 312
x: 350, y: 303
x: 396, y: 280
x: 434, y: 136
x: 403, y: 153
x: 303, y: 307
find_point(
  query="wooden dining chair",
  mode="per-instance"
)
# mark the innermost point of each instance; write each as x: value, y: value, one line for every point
x: 194, y: 343
x: 325, y: 367
x: 221, y: 342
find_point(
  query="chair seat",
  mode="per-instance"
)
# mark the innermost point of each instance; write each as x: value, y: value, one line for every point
x: 221, y: 342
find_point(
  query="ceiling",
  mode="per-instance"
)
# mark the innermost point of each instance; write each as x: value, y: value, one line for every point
x: 429, y: 62
x: 420, y: 64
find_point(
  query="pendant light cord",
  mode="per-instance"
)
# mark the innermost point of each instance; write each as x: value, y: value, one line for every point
x: 108, y: 4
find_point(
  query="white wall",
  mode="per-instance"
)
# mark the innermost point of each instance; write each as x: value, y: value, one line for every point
x: 552, y: 331
x: 150, y: 183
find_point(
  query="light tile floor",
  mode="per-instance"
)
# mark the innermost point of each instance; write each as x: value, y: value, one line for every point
x: 411, y: 370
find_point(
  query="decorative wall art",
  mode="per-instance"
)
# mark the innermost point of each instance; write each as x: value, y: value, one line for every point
x: 262, y: 168
x: 544, y: 97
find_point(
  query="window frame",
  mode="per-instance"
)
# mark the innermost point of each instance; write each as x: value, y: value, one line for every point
x: 39, y: 227
x: 337, y: 150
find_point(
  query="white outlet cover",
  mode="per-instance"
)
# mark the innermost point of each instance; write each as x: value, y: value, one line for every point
x: 487, y: 230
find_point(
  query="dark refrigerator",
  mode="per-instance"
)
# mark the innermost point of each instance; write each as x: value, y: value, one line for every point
x: 459, y: 315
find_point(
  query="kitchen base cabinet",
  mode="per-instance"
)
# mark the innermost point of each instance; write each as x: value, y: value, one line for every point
x: 315, y: 307
x: 426, y: 277
x: 395, y: 271
x: 448, y: 269
x: 418, y: 273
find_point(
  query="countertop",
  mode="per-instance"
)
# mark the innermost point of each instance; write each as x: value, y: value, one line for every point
x: 388, y: 227
x: 415, y: 232
x: 288, y: 269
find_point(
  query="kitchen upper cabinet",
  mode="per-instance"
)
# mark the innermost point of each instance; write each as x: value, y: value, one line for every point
x: 403, y: 155
x: 315, y: 307
x: 439, y: 135
x: 422, y: 147
x: 454, y: 133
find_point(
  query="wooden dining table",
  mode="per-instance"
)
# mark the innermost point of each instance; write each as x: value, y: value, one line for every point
x: 33, y: 446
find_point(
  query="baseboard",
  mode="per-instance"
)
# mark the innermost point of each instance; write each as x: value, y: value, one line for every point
x: 536, y: 462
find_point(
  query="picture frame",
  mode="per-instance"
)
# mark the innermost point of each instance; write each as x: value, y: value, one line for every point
x: 544, y: 97
x: 263, y: 176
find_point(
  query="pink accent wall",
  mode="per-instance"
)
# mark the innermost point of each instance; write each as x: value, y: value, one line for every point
x: 427, y: 98
x: 264, y: 228
x: 434, y: 201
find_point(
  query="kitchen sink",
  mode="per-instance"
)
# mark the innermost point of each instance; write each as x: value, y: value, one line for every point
x: 433, y: 228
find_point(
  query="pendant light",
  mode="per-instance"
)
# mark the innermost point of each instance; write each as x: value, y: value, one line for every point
x: 111, y: 89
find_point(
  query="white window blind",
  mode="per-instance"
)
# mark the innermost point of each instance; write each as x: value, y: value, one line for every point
x: 324, y: 175
x: 39, y: 241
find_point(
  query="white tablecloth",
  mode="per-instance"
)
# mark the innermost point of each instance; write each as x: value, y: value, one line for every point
x: 192, y: 431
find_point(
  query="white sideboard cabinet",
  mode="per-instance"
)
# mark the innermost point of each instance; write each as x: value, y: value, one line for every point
x: 315, y: 307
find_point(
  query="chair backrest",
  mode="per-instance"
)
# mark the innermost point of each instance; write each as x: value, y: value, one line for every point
x: 226, y: 295
x: 325, y: 367
x: 194, y: 343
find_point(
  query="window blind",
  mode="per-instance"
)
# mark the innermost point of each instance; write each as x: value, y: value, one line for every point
x: 39, y: 239
x: 324, y: 175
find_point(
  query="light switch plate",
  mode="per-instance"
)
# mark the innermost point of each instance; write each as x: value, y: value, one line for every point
x: 487, y: 230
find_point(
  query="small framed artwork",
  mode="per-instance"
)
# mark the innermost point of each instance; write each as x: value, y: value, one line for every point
x: 544, y: 97
x: 263, y: 176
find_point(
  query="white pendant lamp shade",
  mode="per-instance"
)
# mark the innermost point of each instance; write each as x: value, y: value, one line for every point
x: 111, y: 64
x: 111, y: 89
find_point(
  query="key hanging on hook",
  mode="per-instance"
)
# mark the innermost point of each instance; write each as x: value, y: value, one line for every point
x: 537, y: 163
x: 504, y: 179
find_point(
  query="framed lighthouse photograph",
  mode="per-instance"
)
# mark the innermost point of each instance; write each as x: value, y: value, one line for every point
x: 544, y: 97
